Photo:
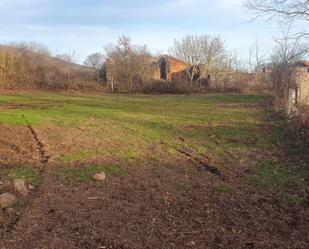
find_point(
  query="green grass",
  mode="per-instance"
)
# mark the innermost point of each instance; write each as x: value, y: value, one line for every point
x: 25, y: 172
x: 183, y: 187
x: 70, y: 110
x: 85, y: 173
x: 19, y: 203
x: 76, y: 156
x: 223, y: 188
x: 291, y: 199
x: 269, y: 175
x: 135, y: 121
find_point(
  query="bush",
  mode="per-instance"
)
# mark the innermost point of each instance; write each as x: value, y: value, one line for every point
x: 299, y: 125
x: 83, y: 86
x: 223, y: 90
x: 164, y: 87
x: 267, y: 103
x: 176, y: 87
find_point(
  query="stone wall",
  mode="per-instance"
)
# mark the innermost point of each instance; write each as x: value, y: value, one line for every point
x: 176, y: 69
x: 302, y: 81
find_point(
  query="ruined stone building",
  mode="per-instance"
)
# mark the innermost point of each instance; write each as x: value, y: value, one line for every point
x: 170, y: 69
x: 299, y: 91
x: 302, y: 82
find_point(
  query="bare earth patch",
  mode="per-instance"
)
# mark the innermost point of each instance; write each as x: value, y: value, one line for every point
x: 175, y: 207
x: 17, y: 146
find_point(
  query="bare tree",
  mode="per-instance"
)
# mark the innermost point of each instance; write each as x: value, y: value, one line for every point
x: 34, y: 58
x: 286, y: 54
x: 236, y: 70
x: 199, y: 51
x: 95, y: 61
x: 288, y: 11
x: 69, y: 57
x: 33, y: 47
x: 127, y: 64
x: 65, y: 62
x: 9, y: 68
x: 256, y: 60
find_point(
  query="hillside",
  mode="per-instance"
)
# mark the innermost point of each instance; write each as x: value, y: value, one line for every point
x: 52, y: 60
x: 24, y: 66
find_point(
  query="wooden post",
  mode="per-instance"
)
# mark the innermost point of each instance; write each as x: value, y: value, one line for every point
x: 112, y: 84
x: 291, y: 101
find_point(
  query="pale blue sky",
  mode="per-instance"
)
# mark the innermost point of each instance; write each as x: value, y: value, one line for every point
x: 86, y: 25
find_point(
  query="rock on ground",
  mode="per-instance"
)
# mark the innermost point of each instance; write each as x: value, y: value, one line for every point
x: 99, y: 177
x: 31, y: 187
x: 10, y: 211
x: 20, y: 187
x: 7, y: 200
x: 4, y: 184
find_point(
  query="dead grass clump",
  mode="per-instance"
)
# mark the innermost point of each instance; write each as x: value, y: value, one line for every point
x: 17, y: 146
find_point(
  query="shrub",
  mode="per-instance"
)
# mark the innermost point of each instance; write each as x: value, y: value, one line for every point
x: 164, y: 87
x: 299, y: 124
x: 267, y: 103
x: 223, y: 90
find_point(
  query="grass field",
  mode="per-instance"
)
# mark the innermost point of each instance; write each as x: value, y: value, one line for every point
x: 159, y: 153
x: 126, y: 126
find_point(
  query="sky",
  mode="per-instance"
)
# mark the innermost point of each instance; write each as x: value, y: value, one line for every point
x: 85, y: 26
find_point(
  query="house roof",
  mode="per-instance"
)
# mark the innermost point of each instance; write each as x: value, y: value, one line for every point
x: 302, y: 64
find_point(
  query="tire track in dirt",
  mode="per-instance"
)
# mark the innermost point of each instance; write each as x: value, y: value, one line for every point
x: 210, y: 168
x: 202, y: 161
x: 44, y: 159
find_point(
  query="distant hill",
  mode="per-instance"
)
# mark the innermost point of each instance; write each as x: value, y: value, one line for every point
x: 22, y: 66
x: 52, y: 60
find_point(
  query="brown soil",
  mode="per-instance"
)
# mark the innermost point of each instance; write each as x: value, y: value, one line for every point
x: 175, y: 206
x: 176, y: 209
x: 14, y: 106
x: 17, y: 145
x: 60, y: 141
